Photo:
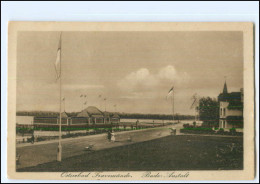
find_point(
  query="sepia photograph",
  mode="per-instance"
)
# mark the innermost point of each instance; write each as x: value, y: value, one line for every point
x: 152, y: 99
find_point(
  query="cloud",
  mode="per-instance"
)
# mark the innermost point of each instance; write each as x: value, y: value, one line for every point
x: 139, y: 79
x: 143, y: 80
x: 171, y: 74
x: 168, y: 72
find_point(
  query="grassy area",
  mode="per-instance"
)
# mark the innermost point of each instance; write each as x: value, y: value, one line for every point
x: 169, y: 153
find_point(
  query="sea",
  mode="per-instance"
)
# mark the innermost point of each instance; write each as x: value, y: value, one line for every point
x: 158, y: 121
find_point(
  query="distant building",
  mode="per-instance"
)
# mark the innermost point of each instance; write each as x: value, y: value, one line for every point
x: 24, y: 120
x: 91, y: 115
x: 94, y: 116
x: 51, y: 119
x: 115, y: 118
x: 106, y: 117
x: 230, y: 109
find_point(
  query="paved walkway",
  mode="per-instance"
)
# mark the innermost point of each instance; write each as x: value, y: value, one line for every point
x: 210, y: 135
x: 46, y: 151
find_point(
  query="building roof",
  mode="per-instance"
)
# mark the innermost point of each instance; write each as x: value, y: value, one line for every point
x: 64, y: 115
x: 115, y: 116
x: 234, y: 96
x: 93, y: 111
x: 234, y: 99
x: 111, y: 115
x: 225, y: 88
x: 90, y: 111
x: 230, y: 97
x: 83, y: 114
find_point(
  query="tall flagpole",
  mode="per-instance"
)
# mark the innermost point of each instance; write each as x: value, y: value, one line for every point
x: 59, y: 146
x: 105, y: 104
x: 195, y: 114
x: 173, y: 104
x: 64, y: 104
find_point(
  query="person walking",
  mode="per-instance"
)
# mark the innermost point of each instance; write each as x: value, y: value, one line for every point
x: 113, y: 138
x: 32, y: 139
x: 137, y: 124
x: 109, y: 136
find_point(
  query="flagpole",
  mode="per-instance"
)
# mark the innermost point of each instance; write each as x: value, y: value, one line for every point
x: 195, y: 114
x: 64, y: 104
x: 195, y: 118
x: 59, y: 146
x: 173, y: 105
x: 105, y: 105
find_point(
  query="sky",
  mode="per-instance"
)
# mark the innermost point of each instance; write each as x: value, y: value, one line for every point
x: 132, y: 70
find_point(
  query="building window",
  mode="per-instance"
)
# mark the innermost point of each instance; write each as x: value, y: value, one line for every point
x: 224, y: 112
x: 220, y: 111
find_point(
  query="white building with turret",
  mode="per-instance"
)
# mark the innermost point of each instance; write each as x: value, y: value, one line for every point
x: 230, y: 109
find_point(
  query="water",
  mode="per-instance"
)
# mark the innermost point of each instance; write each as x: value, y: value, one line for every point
x: 158, y: 121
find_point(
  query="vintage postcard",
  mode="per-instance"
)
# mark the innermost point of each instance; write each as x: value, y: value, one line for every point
x: 131, y: 101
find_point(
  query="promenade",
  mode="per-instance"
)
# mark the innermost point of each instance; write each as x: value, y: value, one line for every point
x: 46, y: 151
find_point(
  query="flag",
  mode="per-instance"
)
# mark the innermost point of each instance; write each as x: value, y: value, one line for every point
x: 194, y: 102
x: 81, y: 95
x: 58, y: 61
x: 195, y: 99
x: 170, y: 92
x: 63, y: 99
x: 99, y: 96
x: 105, y: 99
x: 85, y: 96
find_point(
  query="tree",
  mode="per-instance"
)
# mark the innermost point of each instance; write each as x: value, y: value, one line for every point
x: 209, y: 111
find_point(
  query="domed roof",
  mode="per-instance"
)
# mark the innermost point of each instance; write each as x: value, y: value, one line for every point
x: 93, y: 110
x: 83, y: 114
x: 89, y: 111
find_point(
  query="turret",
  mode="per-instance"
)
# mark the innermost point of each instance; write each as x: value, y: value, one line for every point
x: 225, y: 91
